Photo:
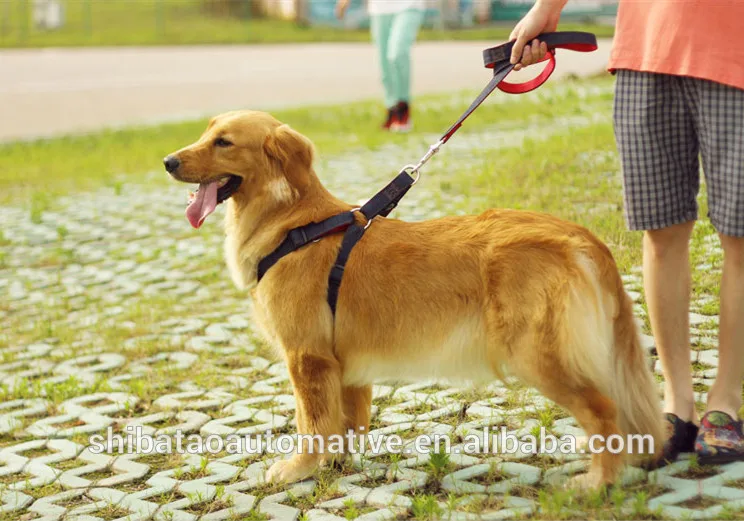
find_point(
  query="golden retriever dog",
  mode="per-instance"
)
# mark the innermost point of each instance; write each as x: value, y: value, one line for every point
x: 459, y: 299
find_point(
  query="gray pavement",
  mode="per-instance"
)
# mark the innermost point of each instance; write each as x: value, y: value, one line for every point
x: 51, y: 92
x: 114, y: 313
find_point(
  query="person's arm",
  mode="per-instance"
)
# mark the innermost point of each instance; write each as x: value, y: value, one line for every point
x: 341, y: 7
x: 542, y: 18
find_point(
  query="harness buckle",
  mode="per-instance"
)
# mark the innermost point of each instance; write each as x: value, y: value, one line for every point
x: 298, y: 237
x: 337, y: 272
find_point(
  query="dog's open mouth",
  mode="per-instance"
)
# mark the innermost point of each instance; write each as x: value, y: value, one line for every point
x: 208, y: 196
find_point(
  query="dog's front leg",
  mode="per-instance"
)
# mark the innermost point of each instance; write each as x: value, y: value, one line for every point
x: 316, y: 380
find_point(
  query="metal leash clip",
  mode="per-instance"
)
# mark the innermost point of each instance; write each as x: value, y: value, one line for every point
x: 416, y: 169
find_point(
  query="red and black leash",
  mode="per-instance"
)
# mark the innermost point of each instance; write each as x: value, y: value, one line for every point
x: 382, y: 203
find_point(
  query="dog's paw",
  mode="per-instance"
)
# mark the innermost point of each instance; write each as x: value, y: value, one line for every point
x: 585, y: 482
x: 290, y: 470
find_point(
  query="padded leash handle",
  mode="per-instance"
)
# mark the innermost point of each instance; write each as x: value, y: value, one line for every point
x: 571, y: 40
x: 497, y: 58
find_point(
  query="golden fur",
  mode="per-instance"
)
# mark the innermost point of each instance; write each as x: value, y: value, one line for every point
x: 457, y: 298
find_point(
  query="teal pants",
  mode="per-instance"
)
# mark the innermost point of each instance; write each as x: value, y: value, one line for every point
x: 394, y: 35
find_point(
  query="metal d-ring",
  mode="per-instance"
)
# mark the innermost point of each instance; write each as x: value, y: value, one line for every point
x: 358, y: 209
x: 412, y: 169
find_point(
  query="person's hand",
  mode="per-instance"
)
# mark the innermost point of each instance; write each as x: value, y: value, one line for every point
x: 341, y: 7
x: 542, y: 18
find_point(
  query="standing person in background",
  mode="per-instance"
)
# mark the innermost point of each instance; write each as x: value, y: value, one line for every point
x: 679, y: 94
x: 394, y: 25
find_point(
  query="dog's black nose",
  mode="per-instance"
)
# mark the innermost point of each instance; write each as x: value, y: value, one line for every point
x: 171, y: 164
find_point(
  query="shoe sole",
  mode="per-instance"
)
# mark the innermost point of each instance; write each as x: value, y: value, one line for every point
x: 401, y: 128
x: 719, y: 459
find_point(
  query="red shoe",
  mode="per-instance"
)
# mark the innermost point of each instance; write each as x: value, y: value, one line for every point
x: 402, y: 123
x: 392, y: 117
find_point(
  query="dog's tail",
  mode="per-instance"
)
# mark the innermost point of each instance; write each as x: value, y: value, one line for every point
x: 608, y: 353
x: 634, y: 388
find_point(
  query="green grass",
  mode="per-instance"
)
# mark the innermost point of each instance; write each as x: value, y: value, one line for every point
x: 179, y: 22
x: 34, y: 173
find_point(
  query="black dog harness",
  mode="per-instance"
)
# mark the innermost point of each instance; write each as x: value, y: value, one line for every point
x: 496, y: 58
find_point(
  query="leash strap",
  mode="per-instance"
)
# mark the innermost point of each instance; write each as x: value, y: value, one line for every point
x: 499, y: 73
x: 382, y: 203
x: 299, y: 237
x: 351, y: 237
x: 497, y: 58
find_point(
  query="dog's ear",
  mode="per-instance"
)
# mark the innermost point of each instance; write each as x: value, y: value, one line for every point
x: 287, y: 145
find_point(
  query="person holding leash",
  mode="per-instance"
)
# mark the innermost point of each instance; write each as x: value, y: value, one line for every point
x: 679, y: 93
x: 394, y: 25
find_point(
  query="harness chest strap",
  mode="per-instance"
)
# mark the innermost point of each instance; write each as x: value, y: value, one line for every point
x: 299, y: 237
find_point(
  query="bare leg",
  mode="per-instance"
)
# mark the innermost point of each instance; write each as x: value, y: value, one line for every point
x: 666, y: 277
x: 725, y: 394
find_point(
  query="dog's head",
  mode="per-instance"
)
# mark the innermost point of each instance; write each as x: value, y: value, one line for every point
x: 246, y: 155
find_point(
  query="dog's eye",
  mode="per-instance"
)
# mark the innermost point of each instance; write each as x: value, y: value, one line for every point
x: 222, y: 142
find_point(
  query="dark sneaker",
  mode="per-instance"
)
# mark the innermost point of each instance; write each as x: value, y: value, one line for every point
x: 402, y: 121
x: 392, y: 117
x: 720, y: 439
x: 680, y: 437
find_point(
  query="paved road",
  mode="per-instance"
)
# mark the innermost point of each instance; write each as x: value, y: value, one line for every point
x: 61, y: 91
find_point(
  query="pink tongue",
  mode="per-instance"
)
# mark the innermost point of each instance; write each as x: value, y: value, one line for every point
x: 204, y: 203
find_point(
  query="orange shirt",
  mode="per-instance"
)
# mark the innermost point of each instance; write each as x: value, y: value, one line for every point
x: 699, y: 38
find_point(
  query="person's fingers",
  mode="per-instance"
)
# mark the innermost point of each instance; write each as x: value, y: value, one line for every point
x: 518, y: 47
x: 539, y: 50
x: 527, y: 56
x: 536, y: 56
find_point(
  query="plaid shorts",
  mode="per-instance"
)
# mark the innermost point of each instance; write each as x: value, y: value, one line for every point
x: 662, y: 124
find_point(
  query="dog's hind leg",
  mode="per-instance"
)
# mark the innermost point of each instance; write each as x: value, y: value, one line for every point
x: 567, y: 356
x: 594, y: 411
x: 357, y: 408
x: 316, y: 380
x: 597, y: 415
